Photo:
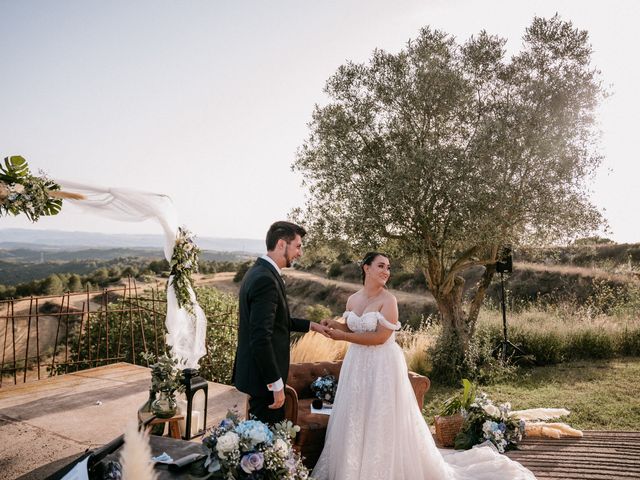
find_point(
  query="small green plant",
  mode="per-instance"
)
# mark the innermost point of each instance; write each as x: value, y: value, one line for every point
x: 165, y: 374
x: 460, y: 401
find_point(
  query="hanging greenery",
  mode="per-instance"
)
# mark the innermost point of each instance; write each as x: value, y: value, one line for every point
x: 24, y: 193
x: 184, y: 263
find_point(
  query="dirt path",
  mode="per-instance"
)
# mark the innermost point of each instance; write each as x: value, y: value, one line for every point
x: 581, y: 271
x: 403, y: 297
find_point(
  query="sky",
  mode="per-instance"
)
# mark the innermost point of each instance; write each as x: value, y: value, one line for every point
x: 207, y: 101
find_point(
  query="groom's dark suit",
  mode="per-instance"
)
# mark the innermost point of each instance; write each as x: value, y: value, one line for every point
x: 264, y: 330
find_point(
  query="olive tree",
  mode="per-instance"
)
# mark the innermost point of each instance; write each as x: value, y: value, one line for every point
x: 452, y: 151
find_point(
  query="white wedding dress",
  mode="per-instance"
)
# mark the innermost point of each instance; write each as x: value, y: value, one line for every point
x: 376, y: 430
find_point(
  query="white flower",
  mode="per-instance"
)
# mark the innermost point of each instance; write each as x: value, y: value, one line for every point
x: 281, y: 448
x: 227, y: 443
x: 491, y: 410
x: 17, y: 188
x: 488, y: 427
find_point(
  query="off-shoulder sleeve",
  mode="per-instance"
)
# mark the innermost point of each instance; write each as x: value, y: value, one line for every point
x: 346, y: 314
x: 386, y: 323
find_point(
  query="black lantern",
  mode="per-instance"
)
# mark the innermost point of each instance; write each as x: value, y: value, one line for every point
x: 196, y: 393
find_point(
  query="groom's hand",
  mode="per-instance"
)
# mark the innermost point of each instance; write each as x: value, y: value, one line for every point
x: 316, y: 327
x: 278, y: 399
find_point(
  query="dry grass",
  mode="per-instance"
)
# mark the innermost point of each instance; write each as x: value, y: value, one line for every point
x: 313, y: 347
x: 562, y: 318
x: 415, y: 345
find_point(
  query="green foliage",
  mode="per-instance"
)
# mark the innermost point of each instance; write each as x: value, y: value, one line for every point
x: 334, y: 270
x: 462, y: 400
x: 317, y: 312
x: 23, y: 193
x: 166, y: 375
x: 222, y: 320
x: 242, y: 269
x: 184, y: 263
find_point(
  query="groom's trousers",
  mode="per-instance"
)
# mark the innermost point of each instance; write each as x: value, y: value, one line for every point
x: 259, y: 408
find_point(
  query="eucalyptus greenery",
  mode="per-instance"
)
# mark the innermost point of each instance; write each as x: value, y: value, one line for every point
x: 165, y: 374
x: 448, y: 151
x: 24, y: 193
x: 184, y: 263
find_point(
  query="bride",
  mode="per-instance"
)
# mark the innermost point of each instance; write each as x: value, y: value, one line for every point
x: 376, y: 430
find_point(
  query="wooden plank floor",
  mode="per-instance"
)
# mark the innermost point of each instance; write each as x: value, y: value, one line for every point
x: 596, y: 456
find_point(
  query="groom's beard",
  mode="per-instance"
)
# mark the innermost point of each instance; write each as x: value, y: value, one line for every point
x: 288, y: 259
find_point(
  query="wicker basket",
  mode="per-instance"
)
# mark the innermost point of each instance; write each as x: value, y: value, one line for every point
x: 447, y: 428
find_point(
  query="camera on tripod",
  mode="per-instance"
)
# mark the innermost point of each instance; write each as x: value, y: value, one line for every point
x: 504, y: 264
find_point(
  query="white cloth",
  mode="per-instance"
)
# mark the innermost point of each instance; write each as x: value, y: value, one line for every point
x: 186, y: 334
x: 376, y: 430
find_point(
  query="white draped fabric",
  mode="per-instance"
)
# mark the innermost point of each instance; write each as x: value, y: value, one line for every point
x: 185, y: 333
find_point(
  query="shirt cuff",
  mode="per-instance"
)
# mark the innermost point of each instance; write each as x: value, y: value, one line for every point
x: 276, y: 386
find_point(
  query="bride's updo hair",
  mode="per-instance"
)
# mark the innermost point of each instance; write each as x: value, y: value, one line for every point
x: 368, y: 260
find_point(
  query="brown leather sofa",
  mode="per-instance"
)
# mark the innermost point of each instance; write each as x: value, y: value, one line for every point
x: 313, y: 426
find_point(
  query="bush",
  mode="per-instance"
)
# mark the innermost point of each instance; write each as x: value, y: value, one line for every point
x: 222, y: 320
x: 590, y: 344
x: 317, y: 312
x: 242, y: 270
x: 334, y: 270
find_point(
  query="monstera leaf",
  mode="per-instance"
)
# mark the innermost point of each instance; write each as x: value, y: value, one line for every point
x: 14, y: 169
x: 24, y: 193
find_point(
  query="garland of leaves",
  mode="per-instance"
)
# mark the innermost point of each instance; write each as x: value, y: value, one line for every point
x: 184, y: 263
x: 22, y: 192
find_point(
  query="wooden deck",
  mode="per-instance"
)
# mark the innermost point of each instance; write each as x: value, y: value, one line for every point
x: 596, y: 456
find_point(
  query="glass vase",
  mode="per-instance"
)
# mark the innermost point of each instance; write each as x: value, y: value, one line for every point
x: 164, y: 406
x: 145, y: 413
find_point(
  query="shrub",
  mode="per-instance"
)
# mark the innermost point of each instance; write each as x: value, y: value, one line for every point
x: 334, y: 270
x: 317, y: 312
x: 242, y: 269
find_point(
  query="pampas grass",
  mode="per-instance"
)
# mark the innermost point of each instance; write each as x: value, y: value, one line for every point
x: 66, y: 195
x: 314, y: 347
x: 136, y: 455
x: 415, y: 345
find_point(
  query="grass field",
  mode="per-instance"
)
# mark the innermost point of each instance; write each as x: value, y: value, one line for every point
x: 601, y: 394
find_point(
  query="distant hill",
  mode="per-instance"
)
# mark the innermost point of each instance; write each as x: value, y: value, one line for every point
x: 57, y: 240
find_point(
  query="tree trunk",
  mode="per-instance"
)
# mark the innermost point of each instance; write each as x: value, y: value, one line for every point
x: 452, y: 348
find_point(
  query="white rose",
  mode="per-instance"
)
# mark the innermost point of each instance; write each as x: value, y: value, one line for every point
x: 281, y: 447
x: 227, y: 443
x: 491, y: 410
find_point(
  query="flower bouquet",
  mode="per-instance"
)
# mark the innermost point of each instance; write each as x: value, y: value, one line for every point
x: 251, y: 450
x: 484, y: 421
x: 325, y: 388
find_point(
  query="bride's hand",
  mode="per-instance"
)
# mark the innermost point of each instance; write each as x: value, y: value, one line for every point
x: 336, y: 334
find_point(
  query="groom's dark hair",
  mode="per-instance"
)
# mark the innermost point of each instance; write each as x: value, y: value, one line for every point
x: 285, y: 230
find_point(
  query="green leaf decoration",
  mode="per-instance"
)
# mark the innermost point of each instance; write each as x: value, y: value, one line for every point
x: 24, y: 193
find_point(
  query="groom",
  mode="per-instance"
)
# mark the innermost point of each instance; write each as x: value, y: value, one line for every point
x: 262, y: 357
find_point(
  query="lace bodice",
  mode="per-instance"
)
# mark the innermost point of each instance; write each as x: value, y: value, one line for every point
x: 368, y: 322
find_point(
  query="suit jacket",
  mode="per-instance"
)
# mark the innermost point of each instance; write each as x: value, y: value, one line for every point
x: 262, y: 356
